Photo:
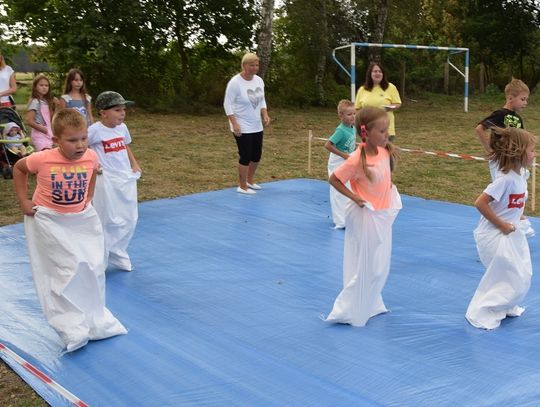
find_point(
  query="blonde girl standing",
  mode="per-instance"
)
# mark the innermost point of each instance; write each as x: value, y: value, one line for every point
x: 374, y: 204
x: 500, y: 236
x: 76, y: 96
x: 40, y: 112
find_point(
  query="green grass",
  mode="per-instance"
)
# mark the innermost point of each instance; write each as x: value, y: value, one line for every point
x: 184, y: 154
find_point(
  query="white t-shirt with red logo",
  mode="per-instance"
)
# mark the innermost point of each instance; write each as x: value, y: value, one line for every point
x: 509, y: 193
x: 110, y: 145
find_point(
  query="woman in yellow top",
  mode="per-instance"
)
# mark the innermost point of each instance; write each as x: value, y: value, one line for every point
x: 378, y: 92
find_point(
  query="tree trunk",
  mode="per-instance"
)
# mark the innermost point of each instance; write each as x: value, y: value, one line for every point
x: 482, y: 79
x: 323, y: 51
x: 264, y: 47
x: 378, y: 33
x: 179, y: 29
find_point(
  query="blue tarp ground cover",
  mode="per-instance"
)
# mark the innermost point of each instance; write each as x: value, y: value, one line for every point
x: 224, y: 308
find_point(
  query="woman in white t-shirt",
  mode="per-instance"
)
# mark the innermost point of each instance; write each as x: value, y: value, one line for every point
x: 245, y: 106
x: 8, y: 84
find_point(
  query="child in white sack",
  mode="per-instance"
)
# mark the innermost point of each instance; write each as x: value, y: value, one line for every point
x: 500, y: 235
x: 373, y: 206
x: 341, y: 144
x: 115, y: 198
x: 64, y: 234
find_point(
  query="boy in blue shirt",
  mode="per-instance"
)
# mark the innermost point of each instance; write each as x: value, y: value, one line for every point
x: 341, y: 144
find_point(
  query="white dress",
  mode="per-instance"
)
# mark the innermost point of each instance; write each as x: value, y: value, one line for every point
x: 366, y: 262
x: 506, y: 258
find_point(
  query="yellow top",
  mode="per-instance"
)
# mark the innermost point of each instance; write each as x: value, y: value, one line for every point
x: 379, y: 98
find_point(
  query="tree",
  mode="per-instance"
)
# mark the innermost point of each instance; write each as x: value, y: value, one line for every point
x: 264, y: 47
x: 221, y: 24
x: 129, y: 45
x: 381, y: 11
x: 305, y: 33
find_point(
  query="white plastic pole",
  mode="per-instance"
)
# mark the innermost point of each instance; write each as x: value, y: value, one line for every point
x: 310, y: 138
x: 533, y: 188
x: 466, y: 88
x: 353, y: 73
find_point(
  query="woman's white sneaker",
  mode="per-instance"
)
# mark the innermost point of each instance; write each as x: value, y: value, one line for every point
x: 248, y: 191
x: 254, y: 186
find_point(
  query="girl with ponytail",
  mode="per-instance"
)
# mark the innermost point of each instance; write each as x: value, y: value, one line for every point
x: 501, y: 233
x: 373, y: 206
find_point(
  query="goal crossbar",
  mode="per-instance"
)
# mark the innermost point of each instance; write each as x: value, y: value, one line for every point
x: 451, y: 51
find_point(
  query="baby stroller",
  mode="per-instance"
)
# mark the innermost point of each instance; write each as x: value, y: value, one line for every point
x: 7, y: 157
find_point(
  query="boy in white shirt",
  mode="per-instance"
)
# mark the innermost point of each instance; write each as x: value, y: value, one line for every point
x: 115, y: 197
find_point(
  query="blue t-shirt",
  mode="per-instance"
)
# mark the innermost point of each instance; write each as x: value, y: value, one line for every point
x: 344, y: 138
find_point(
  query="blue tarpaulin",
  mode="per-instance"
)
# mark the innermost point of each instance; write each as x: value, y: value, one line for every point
x: 224, y: 308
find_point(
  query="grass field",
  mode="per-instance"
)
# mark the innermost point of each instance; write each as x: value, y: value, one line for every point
x: 184, y: 154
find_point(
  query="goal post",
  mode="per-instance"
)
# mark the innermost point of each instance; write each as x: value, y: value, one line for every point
x: 451, y: 51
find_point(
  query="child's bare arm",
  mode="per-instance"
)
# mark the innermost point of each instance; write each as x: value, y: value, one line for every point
x: 132, y: 161
x: 482, y: 204
x: 89, y: 110
x: 20, y: 182
x: 91, y: 188
x: 332, y: 148
x: 483, y: 136
x: 341, y: 188
x: 31, y: 120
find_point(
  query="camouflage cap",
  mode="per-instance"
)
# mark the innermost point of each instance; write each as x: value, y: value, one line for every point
x: 109, y: 98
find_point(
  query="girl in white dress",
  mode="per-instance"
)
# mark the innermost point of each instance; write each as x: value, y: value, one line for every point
x: 500, y: 235
x: 373, y: 206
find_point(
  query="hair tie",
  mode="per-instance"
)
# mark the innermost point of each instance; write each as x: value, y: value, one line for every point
x: 363, y: 132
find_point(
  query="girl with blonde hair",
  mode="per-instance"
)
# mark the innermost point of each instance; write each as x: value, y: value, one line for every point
x: 501, y: 233
x: 373, y: 206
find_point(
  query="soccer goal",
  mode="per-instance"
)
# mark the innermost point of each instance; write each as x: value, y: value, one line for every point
x: 451, y: 51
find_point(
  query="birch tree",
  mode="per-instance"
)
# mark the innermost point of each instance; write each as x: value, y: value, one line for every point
x: 264, y: 47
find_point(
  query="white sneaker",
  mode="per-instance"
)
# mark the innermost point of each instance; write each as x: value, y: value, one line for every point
x: 245, y: 191
x: 254, y: 186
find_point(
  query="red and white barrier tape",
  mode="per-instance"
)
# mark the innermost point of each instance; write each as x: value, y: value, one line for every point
x: 433, y: 153
x: 42, y: 376
x: 443, y: 154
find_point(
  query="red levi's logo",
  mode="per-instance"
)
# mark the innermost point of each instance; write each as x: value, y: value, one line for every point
x: 113, y: 145
x: 516, y: 200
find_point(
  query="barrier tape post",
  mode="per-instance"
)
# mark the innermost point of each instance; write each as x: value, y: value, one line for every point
x: 310, y: 139
x: 4, y: 350
x: 533, y: 188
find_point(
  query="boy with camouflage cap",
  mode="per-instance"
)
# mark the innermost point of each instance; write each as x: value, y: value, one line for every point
x: 115, y: 197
